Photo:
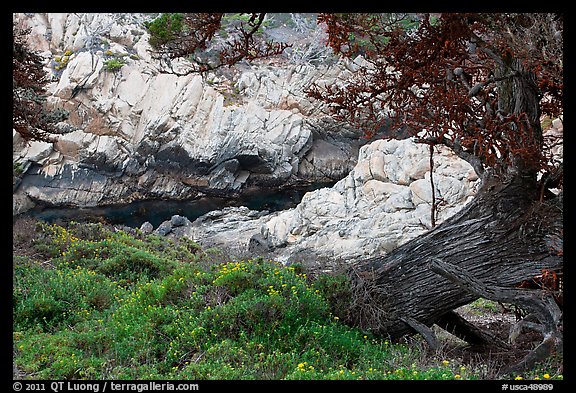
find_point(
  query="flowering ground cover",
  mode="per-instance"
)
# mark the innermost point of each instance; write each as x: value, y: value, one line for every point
x: 94, y: 302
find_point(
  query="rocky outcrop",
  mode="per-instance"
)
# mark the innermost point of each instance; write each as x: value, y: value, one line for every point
x: 140, y: 133
x: 383, y: 202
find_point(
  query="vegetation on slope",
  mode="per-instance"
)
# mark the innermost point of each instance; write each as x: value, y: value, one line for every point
x: 92, y: 302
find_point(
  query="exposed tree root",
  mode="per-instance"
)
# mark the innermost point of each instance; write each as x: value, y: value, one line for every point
x: 539, y: 304
x: 461, y: 328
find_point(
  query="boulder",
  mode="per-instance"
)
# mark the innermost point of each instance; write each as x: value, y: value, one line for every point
x: 231, y: 228
x: 364, y: 214
x: 146, y: 228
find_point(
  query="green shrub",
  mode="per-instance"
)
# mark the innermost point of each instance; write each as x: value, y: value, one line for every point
x: 17, y: 168
x: 89, y: 231
x: 181, y: 249
x: 114, y: 64
x: 49, y: 356
x: 111, y: 305
x: 336, y: 288
x: 51, y: 240
x: 134, y: 264
x: 56, y: 298
x: 165, y: 28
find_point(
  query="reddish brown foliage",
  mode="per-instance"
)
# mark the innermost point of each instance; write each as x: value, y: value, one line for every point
x: 29, y: 117
x: 477, y: 83
x: 550, y: 281
x: 200, y: 29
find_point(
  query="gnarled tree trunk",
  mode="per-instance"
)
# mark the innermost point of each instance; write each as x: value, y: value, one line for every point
x: 505, y: 236
x: 477, y: 84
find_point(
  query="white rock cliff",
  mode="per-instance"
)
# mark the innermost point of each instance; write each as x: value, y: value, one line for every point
x: 144, y: 134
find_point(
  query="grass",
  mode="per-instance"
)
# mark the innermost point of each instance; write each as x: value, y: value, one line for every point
x: 481, y: 305
x: 94, y: 303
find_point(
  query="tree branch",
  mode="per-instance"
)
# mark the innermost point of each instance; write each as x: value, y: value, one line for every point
x: 470, y: 158
x: 533, y: 301
x: 454, y: 324
x: 424, y: 330
x: 537, y: 303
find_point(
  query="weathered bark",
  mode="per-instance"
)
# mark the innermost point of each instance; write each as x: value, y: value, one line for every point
x: 453, y: 323
x: 512, y: 230
x: 540, y: 305
x: 501, y: 238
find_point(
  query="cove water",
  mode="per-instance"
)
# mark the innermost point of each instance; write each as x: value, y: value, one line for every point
x: 157, y: 211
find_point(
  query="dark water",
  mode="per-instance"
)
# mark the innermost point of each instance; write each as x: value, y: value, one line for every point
x: 157, y: 211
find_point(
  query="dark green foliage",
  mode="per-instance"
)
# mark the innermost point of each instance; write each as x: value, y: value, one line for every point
x: 165, y: 28
x: 133, y: 264
x: 53, y: 299
x: 336, y: 288
x: 109, y: 305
